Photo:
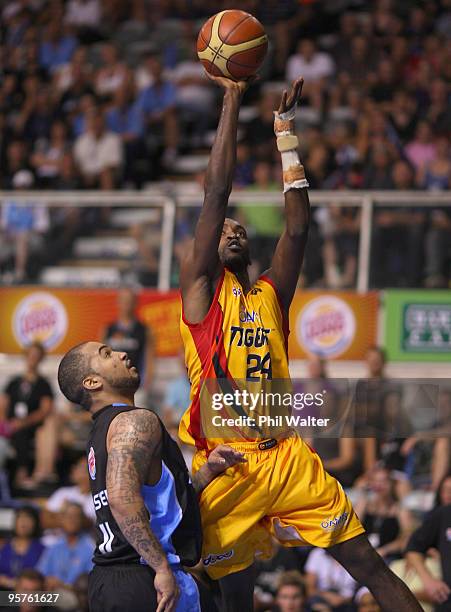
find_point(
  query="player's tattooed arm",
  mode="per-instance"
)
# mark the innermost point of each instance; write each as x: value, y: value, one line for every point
x: 221, y: 458
x: 289, y: 254
x: 132, y: 442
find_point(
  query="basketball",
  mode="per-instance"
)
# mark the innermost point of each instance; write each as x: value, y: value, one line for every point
x: 232, y: 44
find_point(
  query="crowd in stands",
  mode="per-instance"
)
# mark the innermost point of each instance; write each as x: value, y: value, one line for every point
x: 101, y: 94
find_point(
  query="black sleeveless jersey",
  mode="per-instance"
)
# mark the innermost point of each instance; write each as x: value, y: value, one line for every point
x: 172, y: 501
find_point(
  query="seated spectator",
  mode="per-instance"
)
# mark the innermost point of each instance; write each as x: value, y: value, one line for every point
x: 404, y: 570
x: 126, y: 119
x: 435, y: 175
x: 291, y: 593
x: 37, y: 117
x: 327, y: 581
x: 314, y: 65
x: 387, y: 523
x: 63, y: 562
x: 24, y: 226
x: 57, y: 47
x: 422, y: 150
x: 27, y: 404
x: 259, y: 132
x: 433, y: 533
x: 23, y: 550
x: 157, y: 102
x: 48, y: 156
x: 79, y: 493
x: 194, y: 95
x: 98, y: 153
x: 16, y: 159
x: 85, y: 17
x: 112, y: 74
x: 365, y: 601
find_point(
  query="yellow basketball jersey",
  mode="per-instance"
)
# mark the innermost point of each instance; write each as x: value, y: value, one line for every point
x: 240, y: 345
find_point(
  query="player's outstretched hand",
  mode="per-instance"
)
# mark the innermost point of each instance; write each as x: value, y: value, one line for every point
x: 167, y: 590
x: 288, y: 101
x: 223, y: 457
x: 229, y: 84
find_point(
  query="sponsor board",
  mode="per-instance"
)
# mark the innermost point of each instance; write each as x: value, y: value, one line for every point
x: 333, y: 325
x: 418, y: 325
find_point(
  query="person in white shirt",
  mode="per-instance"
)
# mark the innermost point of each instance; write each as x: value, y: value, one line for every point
x: 327, y: 580
x: 314, y: 65
x: 98, y: 153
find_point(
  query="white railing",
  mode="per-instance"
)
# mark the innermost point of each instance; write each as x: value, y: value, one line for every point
x: 169, y: 197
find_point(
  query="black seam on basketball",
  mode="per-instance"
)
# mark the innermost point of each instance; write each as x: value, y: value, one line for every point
x: 224, y: 42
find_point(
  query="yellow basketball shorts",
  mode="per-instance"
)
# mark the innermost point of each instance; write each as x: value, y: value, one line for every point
x: 282, y: 491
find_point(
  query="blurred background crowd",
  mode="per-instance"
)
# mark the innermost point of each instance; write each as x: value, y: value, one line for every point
x: 107, y: 94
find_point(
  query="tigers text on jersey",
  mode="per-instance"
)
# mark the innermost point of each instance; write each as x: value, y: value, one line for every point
x: 239, y: 347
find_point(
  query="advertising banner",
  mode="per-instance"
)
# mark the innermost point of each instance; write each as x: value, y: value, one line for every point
x: 418, y: 325
x: 334, y: 325
x: 62, y: 318
x: 337, y: 325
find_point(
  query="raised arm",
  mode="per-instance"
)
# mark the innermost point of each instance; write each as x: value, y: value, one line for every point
x: 289, y: 254
x: 132, y: 442
x: 201, y: 263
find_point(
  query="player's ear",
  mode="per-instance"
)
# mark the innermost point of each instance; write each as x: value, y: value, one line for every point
x: 92, y: 383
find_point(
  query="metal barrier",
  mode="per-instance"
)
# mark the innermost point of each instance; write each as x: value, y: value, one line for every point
x: 171, y: 196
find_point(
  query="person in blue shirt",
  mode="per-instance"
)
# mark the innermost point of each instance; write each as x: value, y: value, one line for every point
x: 23, y: 550
x: 56, y: 49
x: 71, y: 555
x: 157, y: 102
x: 126, y: 118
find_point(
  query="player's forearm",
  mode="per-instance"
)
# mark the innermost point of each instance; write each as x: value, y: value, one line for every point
x: 202, y: 478
x: 221, y: 166
x: 297, y: 212
x: 133, y: 521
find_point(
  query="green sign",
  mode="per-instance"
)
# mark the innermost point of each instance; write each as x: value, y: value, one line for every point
x: 418, y: 325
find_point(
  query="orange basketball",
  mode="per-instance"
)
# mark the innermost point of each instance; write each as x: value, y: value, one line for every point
x: 232, y: 44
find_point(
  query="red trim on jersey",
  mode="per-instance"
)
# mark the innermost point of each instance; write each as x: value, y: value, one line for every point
x: 285, y: 321
x: 214, y: 301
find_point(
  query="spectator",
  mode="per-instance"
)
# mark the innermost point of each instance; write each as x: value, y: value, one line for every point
x: 27, y: 404
x: 366, y: 602
x: 23, y: 550
x: 85, y: 17
x: 48, y: 157
x: 126, y: 118
x: 24, y: 225
x: 127, y: 333
x: 259, y: 132
x: 291, y: 593
x: 79, y: 493
x: 327, y: 581
x: 435, y: 175
x: 387, y: 523
x: 443, y: 493
x: 112, y: 74
x: 433, y: 533
x: 63, y: 562
x: 158, y: 102
x: 314, y: 65
x: 98, y: 153
x: 404, y: 570
x: 194, y: 95
x: 422, y: 150
x: 57, y: 47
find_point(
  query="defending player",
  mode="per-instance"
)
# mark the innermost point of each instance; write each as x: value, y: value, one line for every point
x: 148, y: 522
x: 283, y: 489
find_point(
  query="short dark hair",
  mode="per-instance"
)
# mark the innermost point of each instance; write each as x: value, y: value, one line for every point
x: 31, y: 574
x: 72, y: 370
x: 33, y: 513
x: 36, y: 345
